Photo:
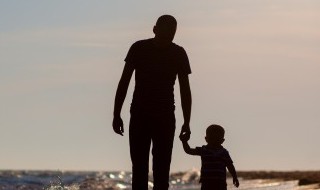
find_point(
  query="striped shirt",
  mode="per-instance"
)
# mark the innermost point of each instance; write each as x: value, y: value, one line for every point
x: 214, y: 162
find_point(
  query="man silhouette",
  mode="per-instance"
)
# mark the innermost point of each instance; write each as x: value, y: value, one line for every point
x: 156, y: 62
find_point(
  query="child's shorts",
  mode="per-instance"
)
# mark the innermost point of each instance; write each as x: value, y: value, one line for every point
x: 213, y: 185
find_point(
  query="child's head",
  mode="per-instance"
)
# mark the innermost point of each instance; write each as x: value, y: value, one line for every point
x: 215, y: 135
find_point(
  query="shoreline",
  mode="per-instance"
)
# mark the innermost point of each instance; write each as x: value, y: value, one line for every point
x: 304, y: 177
x: 77, y: 180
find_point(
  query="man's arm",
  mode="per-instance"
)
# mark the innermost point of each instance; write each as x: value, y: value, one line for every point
x: 186, y: 102
x: 120, y: 96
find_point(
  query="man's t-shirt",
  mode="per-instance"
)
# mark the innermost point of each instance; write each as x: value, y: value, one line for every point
x: 155, y: 74
x: 213, y: 163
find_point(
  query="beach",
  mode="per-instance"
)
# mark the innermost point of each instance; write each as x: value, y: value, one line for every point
x: 117, y: 180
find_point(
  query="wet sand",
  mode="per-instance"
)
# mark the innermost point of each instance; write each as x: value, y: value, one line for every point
x: 304, y: 177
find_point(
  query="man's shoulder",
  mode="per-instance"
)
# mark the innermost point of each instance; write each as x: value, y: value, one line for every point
x: 148, y: 41
x: 142, y: 42
x: 178, y: 47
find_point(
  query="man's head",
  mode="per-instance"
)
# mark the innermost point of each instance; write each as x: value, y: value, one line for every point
x: 215, y: 134
x: 165, y: 28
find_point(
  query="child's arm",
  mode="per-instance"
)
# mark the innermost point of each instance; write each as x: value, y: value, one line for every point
x: 188, y: 150
x: 233, y: 172
x: 184, y: 138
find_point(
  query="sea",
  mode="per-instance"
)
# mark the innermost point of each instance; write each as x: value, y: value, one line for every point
x: 121, y: 180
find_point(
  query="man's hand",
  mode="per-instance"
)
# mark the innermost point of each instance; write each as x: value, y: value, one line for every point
x: 118, y: 125
x: 185, y: 132
x: 236, y: 182
x: 184, y: 137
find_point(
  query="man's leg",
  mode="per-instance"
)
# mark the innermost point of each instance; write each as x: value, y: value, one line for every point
x: 162, y: 142
x: 140, y: 140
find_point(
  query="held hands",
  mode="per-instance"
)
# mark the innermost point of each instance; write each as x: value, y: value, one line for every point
x: 118, y: 125
x: 185, y: 133
x: 184, y: 137
x: 236, y: 182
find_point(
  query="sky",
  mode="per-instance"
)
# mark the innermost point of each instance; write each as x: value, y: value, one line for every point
x: 255, y: 71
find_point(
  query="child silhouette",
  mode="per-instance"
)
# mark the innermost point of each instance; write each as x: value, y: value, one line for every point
x: 214, y: 159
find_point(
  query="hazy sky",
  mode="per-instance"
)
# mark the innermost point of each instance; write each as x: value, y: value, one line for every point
x: 255, y: 70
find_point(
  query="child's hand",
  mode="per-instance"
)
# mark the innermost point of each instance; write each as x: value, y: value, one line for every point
x: 236, y: 182
x: 184, y: 137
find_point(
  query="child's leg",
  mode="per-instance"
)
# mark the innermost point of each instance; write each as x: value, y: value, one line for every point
x: 213, y: 185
